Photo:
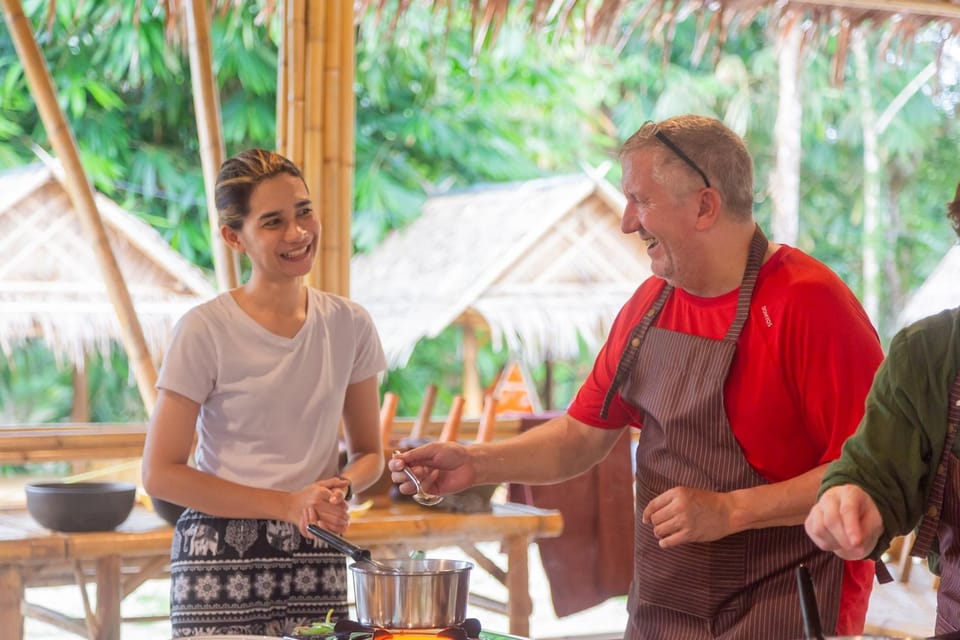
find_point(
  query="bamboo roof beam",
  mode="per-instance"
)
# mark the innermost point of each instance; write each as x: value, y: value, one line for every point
x: 81, y: 195
x: 925, y: 8
x: 206, y: 103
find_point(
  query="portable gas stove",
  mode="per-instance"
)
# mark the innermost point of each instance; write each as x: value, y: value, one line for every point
x: 469, y: 629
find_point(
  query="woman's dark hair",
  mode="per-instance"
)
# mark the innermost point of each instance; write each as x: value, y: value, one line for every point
x: 239, y: 175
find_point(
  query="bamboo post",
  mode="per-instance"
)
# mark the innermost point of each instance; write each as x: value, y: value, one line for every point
x: 388, y: 412
x: 315, y: 126
x: 206, y: 103
x: 347, y: 131
x: 332, y: 124
x: 419, y: 427
x: 451, y: 428
x: 472, y: 391
x: 282, y: 83
x: 81, y: 196
x: 488, y: 420
x: 295, y: 15
x: 313, y: 134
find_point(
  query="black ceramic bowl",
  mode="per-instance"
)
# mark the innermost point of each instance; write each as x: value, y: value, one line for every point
x: 80, y: 506
x: 169, y: 511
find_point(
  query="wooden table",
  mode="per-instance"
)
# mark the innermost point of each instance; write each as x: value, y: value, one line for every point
x: 118, y: 562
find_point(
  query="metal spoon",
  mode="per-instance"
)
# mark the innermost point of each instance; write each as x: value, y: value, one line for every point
x: 422, y: 497
x: 357, y: 553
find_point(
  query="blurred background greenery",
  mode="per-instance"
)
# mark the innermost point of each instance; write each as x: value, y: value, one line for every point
x: 435, y: 113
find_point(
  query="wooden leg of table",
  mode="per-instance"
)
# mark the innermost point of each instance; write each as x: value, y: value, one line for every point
x: 109, y: 594
x: 11, y: 595
x: 519, y: 604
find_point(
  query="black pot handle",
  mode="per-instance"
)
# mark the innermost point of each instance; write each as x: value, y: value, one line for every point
x: 338, y: 543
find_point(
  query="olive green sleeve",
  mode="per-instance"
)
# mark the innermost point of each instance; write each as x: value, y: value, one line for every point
x: 895, y: 450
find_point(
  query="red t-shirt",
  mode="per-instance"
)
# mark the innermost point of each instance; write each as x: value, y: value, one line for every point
x: 797, y: 384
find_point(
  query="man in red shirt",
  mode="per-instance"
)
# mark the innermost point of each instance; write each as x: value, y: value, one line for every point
x: 746, y: 365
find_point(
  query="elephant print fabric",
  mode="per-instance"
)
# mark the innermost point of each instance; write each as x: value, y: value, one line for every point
x: 264, y: 571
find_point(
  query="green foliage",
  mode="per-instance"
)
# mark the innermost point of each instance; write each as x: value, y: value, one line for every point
x: 431, y: 117
x: 433, y: 111
x: 33, y: 387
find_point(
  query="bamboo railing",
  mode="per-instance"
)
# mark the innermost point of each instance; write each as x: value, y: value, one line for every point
x: 25, y: 443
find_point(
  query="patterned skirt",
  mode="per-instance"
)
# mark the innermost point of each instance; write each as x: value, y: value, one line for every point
x: 252, y: 577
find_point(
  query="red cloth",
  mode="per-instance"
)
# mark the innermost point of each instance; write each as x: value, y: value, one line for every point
x: 592, y: 560
x: 797, y: 384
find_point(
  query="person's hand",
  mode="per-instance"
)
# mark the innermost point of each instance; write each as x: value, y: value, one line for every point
x: 846, y: 521
x: 441, y: 468
x: 682, y: 515
x: 322, y: 503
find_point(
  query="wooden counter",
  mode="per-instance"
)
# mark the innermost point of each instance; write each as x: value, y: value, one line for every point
x: 118, y: 562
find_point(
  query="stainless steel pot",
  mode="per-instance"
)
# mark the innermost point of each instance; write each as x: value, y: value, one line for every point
x: 419, y: 594
x: 405, y: 593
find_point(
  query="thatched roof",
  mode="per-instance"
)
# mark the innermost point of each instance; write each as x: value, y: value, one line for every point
x: 50, y: 281
x: 604, y: 22
x: 938, y: 292
x: 540, y: 262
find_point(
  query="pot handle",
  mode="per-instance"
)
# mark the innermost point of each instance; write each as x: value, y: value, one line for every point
x: 338, y: 543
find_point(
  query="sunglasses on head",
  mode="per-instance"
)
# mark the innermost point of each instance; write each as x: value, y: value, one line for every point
x: 667, y: 142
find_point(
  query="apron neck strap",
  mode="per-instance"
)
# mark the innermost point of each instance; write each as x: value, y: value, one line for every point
x: 758, y: 249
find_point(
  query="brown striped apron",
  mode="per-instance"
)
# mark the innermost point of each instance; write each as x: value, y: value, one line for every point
x: 942, y: 518
x: 744, y: 585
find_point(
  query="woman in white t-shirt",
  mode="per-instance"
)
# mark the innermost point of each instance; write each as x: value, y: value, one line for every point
x: 262, y: 376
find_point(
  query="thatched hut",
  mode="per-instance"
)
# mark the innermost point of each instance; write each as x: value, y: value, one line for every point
x: 51, y: 287
x: 541, y: 264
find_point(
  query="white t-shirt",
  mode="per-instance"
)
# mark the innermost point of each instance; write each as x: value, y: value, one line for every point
x: 270, y: 406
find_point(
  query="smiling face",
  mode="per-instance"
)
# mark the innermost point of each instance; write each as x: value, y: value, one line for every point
x: 281, y: 231
x: 662, y: 209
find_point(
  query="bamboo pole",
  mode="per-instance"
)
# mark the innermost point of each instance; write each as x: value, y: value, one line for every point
x: 282, y: 81
x: 81, y: 196
x: 347, y: 142
x: 314, y: 134
x: 206, y: 103
x: 316, y: 114
x: 294, y: 42
x: 332, y: 124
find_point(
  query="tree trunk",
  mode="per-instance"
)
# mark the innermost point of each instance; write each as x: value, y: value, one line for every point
x: 785, y: 179
x: 873, y: 234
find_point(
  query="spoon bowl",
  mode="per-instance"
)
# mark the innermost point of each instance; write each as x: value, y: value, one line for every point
x: 421, y: 496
